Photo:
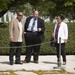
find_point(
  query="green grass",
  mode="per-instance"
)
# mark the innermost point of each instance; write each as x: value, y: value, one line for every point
x: 60, y: 71
x: 10, y: 71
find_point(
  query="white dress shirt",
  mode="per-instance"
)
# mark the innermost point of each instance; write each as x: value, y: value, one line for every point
x: 20, y: 34
x: 30, y: 25
x: 62, y: 33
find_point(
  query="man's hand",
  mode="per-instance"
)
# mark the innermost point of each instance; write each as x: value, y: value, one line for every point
x: 65, y: 40
x: 53, y: 35
x: 11, y: 39
x: 39, y: 29
x: 24, y: 32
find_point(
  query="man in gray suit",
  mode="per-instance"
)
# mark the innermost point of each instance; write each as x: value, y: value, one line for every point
x: 16, y: 28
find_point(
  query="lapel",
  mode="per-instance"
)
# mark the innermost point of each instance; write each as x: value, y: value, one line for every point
x: 38, y: 23
x: 61, y: 26
x: 30, y: 18
x: 22, y: 26
x: 17, y: 23
x: 28, y: 21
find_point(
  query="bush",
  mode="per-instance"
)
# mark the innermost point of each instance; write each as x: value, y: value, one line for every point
x: 45, y: 47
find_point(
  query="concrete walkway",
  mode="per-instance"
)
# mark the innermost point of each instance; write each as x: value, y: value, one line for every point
x: 45, y: 63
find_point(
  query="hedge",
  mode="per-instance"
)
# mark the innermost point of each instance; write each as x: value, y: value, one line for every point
x: 45, y: 47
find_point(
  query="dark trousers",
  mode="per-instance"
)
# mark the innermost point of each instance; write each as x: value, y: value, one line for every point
x: 32, y: 38
x: 62, y: 51
x: 18, y: 48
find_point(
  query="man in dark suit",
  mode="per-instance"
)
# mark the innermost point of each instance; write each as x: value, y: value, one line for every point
x: 34, y: 35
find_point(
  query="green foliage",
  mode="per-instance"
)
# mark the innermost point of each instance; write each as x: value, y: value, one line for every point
x: 4, y: 38
x: 4, y: 4
x: 46, y: 7
x: 45, y: 47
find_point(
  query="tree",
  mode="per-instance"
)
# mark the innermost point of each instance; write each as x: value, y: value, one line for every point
x: 46, y: 7
x: 7, y: 4
x: 66, y: 7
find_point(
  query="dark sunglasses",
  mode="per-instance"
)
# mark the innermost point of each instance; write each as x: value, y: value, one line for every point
x: 20, y: 15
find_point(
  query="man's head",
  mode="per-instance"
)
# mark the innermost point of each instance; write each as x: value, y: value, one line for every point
x: 60, y: 18
x: 36, y: 14
x: 19, y: 16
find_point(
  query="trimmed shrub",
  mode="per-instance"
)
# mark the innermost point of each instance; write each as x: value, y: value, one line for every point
x: 45, y: 47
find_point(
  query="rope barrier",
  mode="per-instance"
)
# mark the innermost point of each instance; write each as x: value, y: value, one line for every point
x: 26, y: 46
x: 33, y: 45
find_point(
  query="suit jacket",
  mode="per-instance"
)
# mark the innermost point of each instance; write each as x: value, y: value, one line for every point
x: 14, y: 29
x: 63, y: 32
x: 40, y: 24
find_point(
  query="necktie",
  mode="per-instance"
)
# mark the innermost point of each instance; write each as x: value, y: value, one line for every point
x: 33, y: 24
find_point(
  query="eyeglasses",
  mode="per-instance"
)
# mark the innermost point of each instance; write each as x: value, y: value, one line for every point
x: 57, y: 18
x: 20, y: 15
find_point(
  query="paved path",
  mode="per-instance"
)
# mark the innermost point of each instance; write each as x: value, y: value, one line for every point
x: 45, y: 63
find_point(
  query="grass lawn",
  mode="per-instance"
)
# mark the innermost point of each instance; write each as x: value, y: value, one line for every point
x: 61, y: 71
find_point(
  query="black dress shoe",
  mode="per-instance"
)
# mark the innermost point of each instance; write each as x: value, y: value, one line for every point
x: 18, y: 63
x: 11, y: 62
x: 36, y: 62
x: 25, y: 61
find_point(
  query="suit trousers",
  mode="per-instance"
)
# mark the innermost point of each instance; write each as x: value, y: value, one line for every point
x: 32, y: 38
x: 18, y: 48
x: 62, y: 51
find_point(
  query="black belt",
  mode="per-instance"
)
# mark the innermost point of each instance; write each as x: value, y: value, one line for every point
x: 32, y: 31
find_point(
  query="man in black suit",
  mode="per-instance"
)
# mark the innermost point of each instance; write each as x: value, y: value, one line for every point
x: 34, y: 35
